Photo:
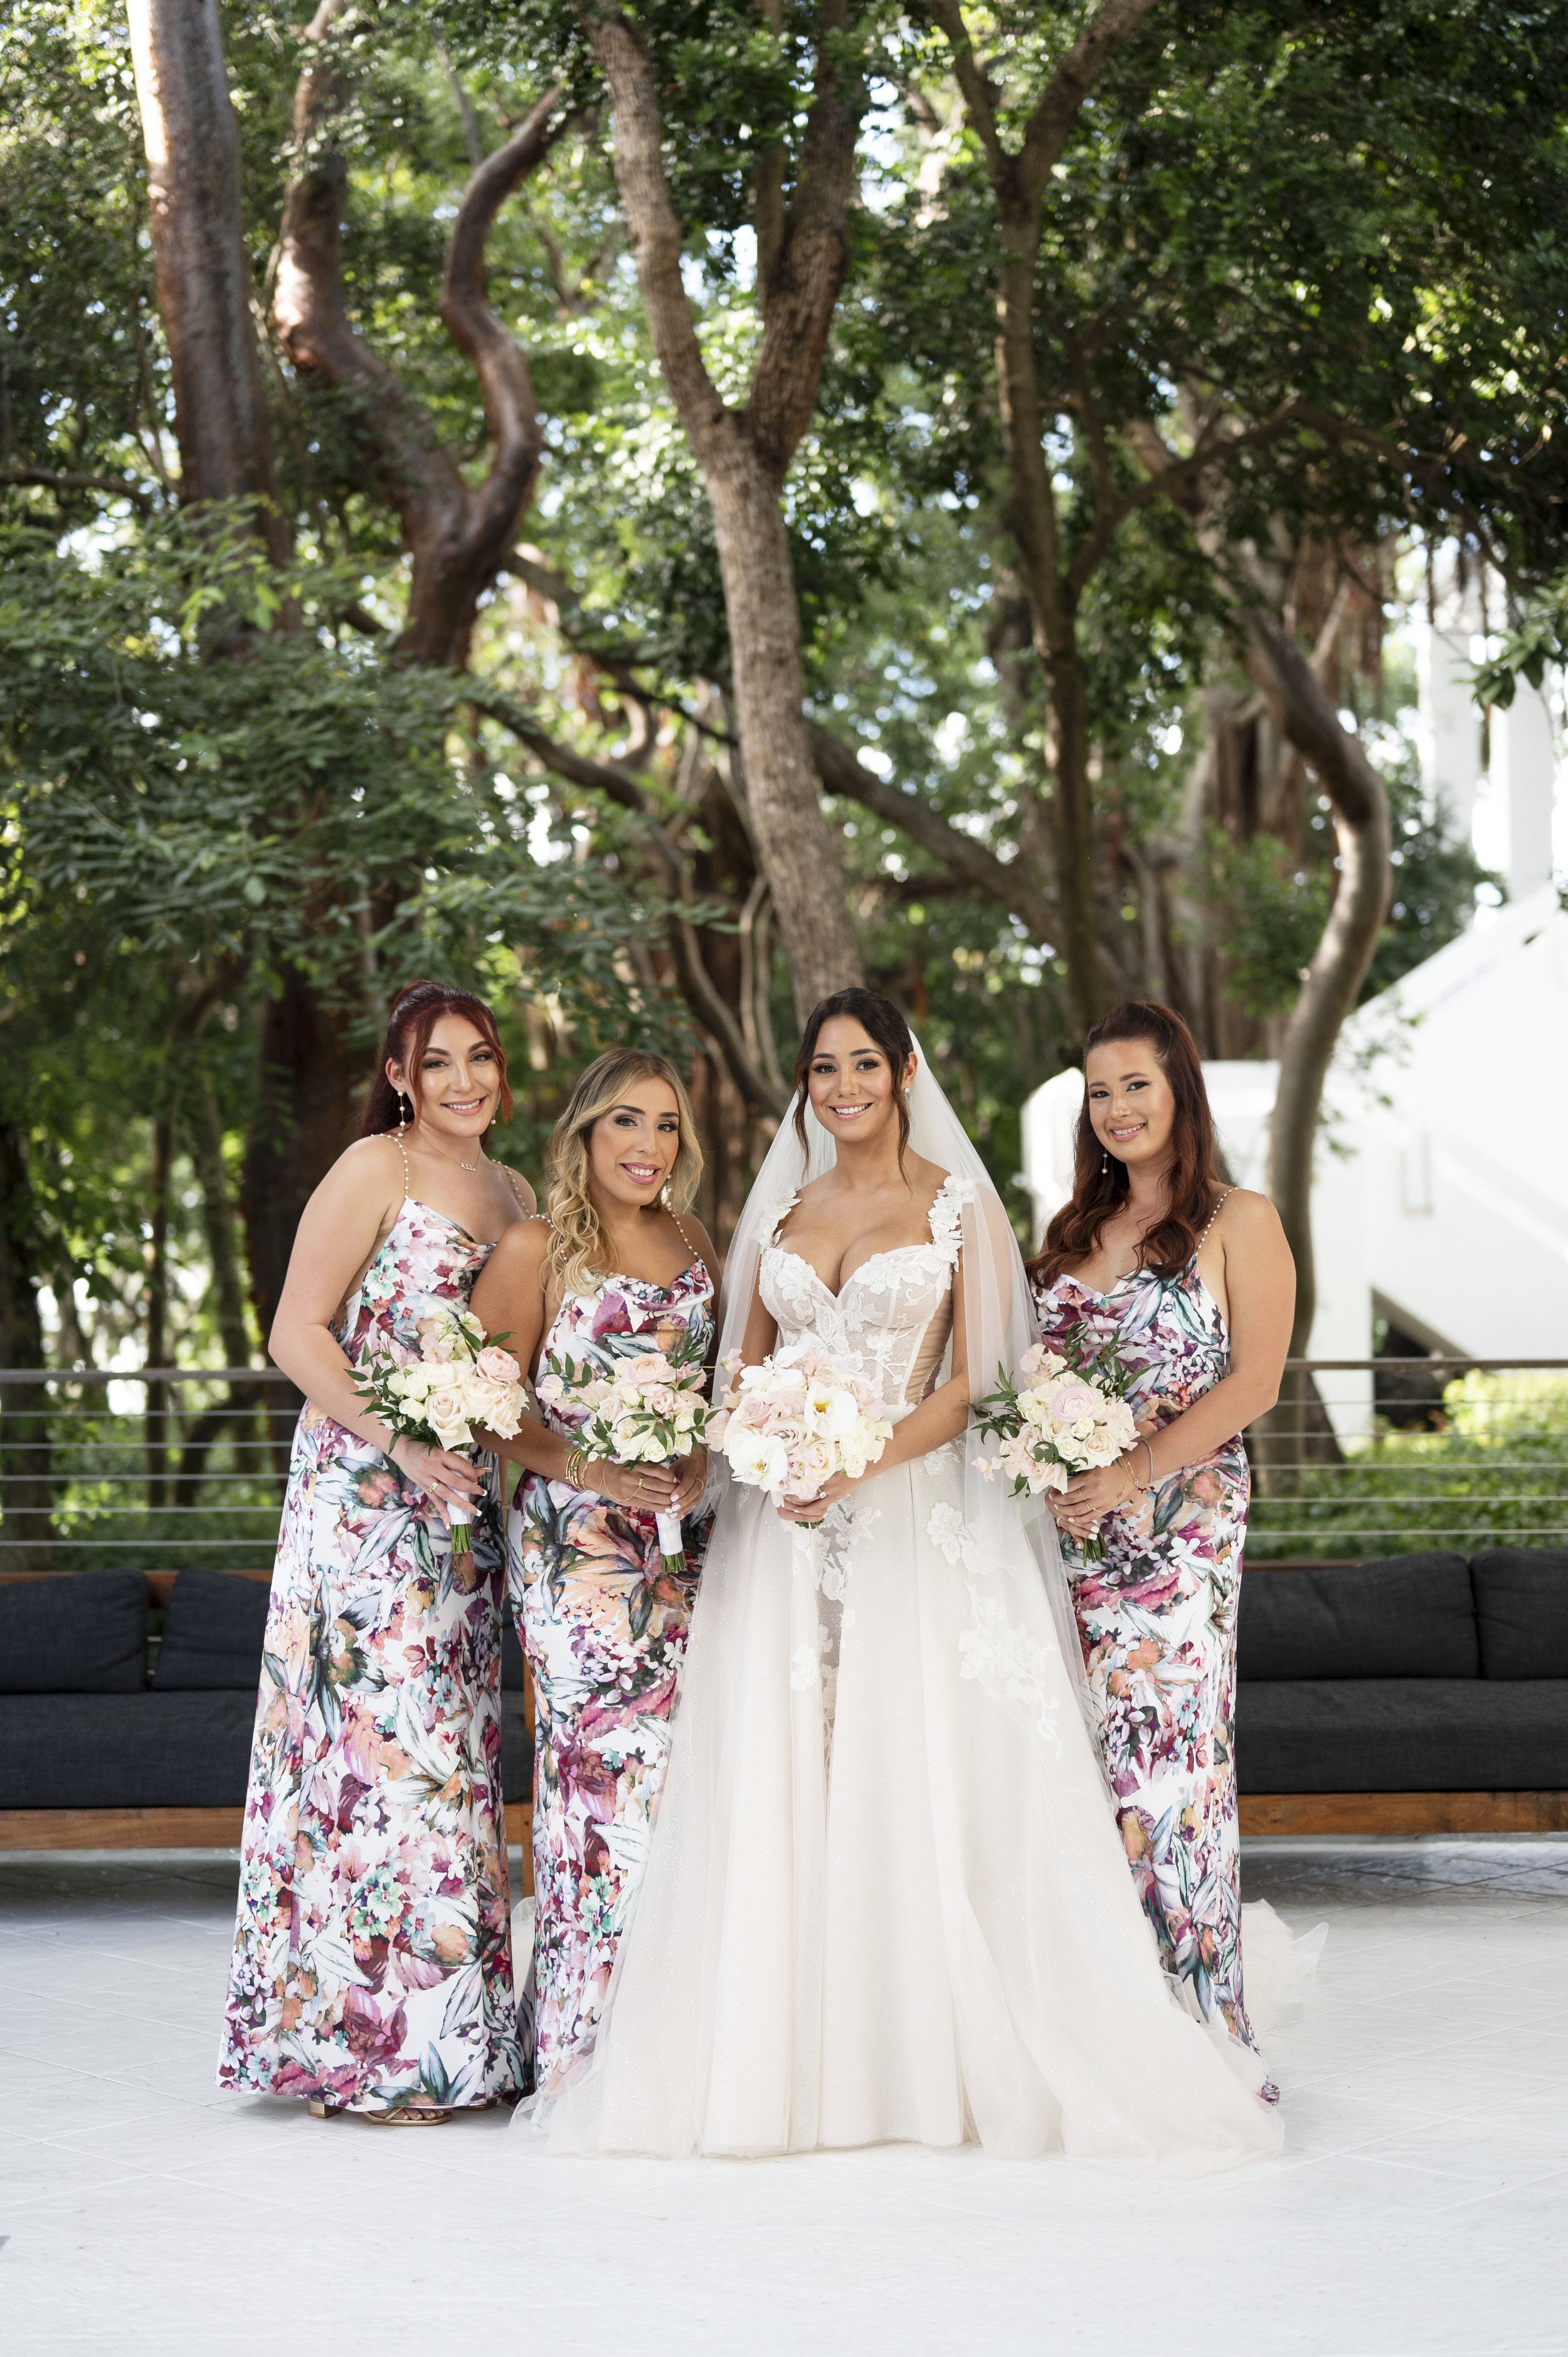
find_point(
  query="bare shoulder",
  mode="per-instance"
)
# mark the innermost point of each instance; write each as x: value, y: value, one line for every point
x: 929, y: 1178
x: 370, y: 1167
x: 1248, y: 1218
x: 523, y: 1249
x: 520, y: 1187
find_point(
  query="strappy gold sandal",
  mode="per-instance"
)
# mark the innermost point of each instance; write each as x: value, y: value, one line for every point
x: 409, y: 2116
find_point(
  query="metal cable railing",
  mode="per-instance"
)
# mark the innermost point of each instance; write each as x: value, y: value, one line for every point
x: 142, y: 1468
x: 152, y: 1468
x: 1365, y: 1457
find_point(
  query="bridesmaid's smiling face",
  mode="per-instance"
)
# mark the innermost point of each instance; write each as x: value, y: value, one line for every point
x: 459, y: 1083
x: 633, y: 1147
x: 851, y: 1083
x: 1131, y: 1107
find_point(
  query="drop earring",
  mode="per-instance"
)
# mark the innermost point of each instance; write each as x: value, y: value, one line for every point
x: 1104, y: 1161
x: 404, y: 1108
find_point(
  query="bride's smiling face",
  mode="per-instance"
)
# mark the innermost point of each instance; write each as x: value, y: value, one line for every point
x: 852, y: 1084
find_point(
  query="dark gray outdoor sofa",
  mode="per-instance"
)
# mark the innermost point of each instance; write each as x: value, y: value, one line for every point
x: 1426, y: 1694
x: 96, y: 1752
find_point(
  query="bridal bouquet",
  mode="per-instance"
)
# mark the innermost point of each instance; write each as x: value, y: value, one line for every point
x: 1062, y: 1417
x: 650, y: 1410
x: 790, y: 1424
x: 459, y: 1383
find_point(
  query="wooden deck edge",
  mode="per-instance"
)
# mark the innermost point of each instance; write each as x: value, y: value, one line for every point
x: 42, y: 1829
x: 1403, y: 1813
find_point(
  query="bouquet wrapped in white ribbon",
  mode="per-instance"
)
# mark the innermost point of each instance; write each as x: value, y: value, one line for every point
x: 652, y: 1410
x: 1061, y: 1417
x: 794, y: 1420
x: 460, y: 1384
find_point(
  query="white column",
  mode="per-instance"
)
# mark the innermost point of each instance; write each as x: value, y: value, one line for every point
x: 1450, y: 725
x: 1522, y: 767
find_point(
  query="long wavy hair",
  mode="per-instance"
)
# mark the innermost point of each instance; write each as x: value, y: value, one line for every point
x: 416, y: 1010
x: 579, y: 1249
x: 881, y: 1021
x: 1193, y: 1183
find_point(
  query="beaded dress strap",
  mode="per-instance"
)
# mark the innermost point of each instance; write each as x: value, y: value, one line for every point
x: 396, y: 1137
x: 696, y: 1260
x: 1209, y: 1221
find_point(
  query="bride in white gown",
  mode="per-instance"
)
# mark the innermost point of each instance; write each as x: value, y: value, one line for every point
x: 884, y: 1898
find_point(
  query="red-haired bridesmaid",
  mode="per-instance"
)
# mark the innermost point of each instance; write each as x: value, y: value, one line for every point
x: 372, y: 1955
x: 1195, y: 1281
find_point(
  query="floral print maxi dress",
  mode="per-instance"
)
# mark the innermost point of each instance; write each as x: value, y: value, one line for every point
x: 1156, y: 1618
x: 604, y: 1627
x: 372, y: 1952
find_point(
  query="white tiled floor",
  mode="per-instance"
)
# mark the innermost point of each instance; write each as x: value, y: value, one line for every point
x: 1422, y: 2208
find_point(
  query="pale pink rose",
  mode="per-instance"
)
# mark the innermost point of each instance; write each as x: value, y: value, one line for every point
x: 1075, y: 1403
x: 498, y: 1366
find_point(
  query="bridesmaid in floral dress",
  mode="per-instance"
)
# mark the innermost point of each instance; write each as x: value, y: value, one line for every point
x: 372, y: 1958
x: 1194, y: 1282
x: 616, y: 1266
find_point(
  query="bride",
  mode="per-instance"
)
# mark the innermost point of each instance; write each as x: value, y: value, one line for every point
x: 885, y: 1898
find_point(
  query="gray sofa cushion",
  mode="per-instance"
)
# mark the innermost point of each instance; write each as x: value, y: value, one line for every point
x: 162, y: 1750
x: 1402, y: 1735
x: 212, y: 1634
x: 125, y: 1751
x: 1411, y: 1617
x: 85, y: 1632
x: 1521, y: 1612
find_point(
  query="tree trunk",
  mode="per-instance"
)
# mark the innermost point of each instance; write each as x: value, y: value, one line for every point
x: 305, y: 1117
x: 744, y: 456
x: 1020, y: 178
x: 796, y: 843
x: 27, y: 1488
x: 1308, y: 716
x: 236, y: 1410
x: 203, y: 276
x: 156, y: 1433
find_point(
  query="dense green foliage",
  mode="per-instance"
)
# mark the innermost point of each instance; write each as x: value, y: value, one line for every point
x: 1351, y: 214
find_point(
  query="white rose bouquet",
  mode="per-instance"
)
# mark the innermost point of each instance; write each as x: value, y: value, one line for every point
x: 1062, y: 1417
x: 460, y: 1383
x: 792, y: 1422
x: 650, y: 1410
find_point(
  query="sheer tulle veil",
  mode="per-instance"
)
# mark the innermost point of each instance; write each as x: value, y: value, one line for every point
x: 1002, y: 1540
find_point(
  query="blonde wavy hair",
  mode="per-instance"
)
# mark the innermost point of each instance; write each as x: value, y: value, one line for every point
x: 579, y: 1249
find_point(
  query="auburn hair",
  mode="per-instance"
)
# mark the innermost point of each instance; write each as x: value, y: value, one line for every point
x: 415, y: 1012
x: 882, y: 1025
x: 1193, y: 1183
x: 579, y: 1249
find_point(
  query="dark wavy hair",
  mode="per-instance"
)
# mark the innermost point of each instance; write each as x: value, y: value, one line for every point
x: 1193, y: 1184
x: 416, y: 1010
x: 881, y: 1021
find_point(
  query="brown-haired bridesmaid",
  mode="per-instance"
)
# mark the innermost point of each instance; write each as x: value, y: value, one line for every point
x: 373, y: 1956
x: 1194, y: 1280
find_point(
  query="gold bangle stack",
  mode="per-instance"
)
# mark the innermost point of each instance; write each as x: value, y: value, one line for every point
x: 577, y: 1466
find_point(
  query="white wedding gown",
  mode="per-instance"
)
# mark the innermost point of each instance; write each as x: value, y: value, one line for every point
x: 885, y: 1899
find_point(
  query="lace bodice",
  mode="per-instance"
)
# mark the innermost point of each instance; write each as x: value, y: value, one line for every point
x: 891, y: 1317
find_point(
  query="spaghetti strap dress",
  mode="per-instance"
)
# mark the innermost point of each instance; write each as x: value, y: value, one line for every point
x: 603, y: 1628
x: 373, y: 1947
x: 1156, y: 1619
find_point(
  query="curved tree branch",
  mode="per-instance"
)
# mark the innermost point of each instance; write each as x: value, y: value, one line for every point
x: 718, y: 1017
x: 457, y: 535
x: 1004, y: 881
